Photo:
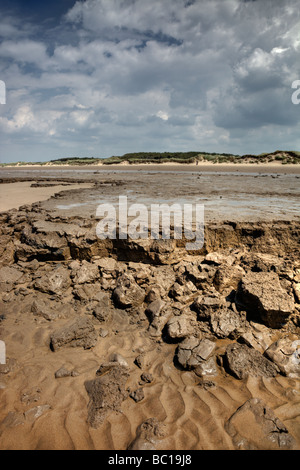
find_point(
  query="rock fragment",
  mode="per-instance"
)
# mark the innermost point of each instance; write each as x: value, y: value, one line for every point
x: 84, y: 272
x: 63, y: 372
x: 179, y: 327
x: 192, y: 352
x: 106, y: 394
x: 78, y: 333
x: 207, y: 368
x: 207, y: 304
x: 104, y: 309
x: 34, y: 413
x: 55, y: 282
x: 148, y: 435
x: 242, y: 361
x: 226, y: 323
x: 12, y: 420
x: 257, y: 336
x: 146, y: 377
x: 140, y: 360
x: 261, y: 294
x: 154, y: 309
x: 118, y: 358
x: 137, y: 395
x: 254, y: 426
x: 127, y: 292
x: 40, y: 309
x: 285, y: 353
x: 228, y: 277
x: 158, y: 313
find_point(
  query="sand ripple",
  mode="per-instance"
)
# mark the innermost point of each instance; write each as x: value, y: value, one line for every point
x: 193, y: 415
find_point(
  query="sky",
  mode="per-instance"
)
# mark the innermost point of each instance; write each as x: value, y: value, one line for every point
x: 107, y: 77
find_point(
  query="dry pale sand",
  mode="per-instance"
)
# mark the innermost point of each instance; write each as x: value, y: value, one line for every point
x: 15, y: 195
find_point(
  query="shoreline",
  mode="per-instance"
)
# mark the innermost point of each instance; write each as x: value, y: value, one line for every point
x: 216, y: 185
x: 126, y: 163
x: 202, y: 166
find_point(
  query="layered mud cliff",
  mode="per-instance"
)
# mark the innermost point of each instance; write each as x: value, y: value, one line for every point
x: 123, y: 344
x: 34, y: 233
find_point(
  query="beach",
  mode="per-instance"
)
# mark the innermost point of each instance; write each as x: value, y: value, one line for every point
x: 15, y: 195
x: 142, y: 344
x: 205, y: 183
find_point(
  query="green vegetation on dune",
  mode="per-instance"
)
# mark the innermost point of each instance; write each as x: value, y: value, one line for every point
x: 193, y: 157
x: 76, y: 161
x: 285, y: 157
x: 154, y: 157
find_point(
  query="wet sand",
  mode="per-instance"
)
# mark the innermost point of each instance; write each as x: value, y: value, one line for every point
x: 273, y: 167
x: 193, y: 415
x: 228, y: 192
x: 52, y: 255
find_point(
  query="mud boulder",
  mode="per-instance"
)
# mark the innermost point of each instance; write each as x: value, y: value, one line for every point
x: 183, y: 291
x: 42, y: 309
x: 227, y: 278
x: 262, y: 295
x: 263, y: 262
x: 218, y: 259
x: 200, y: 274
x: 148, y: 435
x: 127, y: 292
x: 78, y: 333
x: 163, y: 277
x: 207, y: 304
x: 54, y: 282
x: 193, y: 352
x: 155, y: 309
x: 297, y: 291
x: 106, y: 393
x: 10, y: 275
x: 226, y: 323
x: 84, y: 272
x: 254, y: 426
x: 158, y: 313
x: 107, y: 266
x: 242, y: 361
x: 179, y: 327
x: 285, y: 353
x: 104, y: 308
x: 257, y: 336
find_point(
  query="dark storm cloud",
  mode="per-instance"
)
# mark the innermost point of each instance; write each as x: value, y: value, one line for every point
x: 139, y: 75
